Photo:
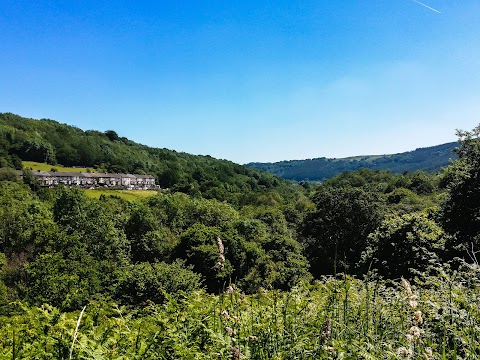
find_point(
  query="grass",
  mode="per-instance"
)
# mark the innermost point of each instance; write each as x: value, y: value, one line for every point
x: 47, y: 167
x: 129, y: 195
x: 336, y: 318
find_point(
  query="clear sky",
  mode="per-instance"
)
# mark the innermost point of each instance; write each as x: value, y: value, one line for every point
x: 248, y: 80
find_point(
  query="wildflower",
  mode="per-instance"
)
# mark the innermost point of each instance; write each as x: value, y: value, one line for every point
x: 403, y: 351
x: 327, y: 330
x: 417, y: 317
x: 225, y: 314
x: 416, y: 332
x: 220, y: 264
x: 407, y: 287
x: 229, y: 330
x: 235, y: 353
x: 221, y: 248
x: 329, y: 349
x: 230, y: 290
x: 428, y: 353
x: 412, y: 301
x: 412, y: 298
x: 252, y: 338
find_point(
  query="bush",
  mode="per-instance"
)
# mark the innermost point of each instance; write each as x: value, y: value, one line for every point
x: 403, y: 245
x: 150, y: 282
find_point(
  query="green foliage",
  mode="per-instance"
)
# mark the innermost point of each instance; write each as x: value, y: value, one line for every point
x: 403, y: 246
x: 223, y: 228
x: 199, y: 245
x: 336, y: 318
x: 3, y: 287
x: 179, y: 211
x: 336, y: 233
x: 139, y: 230
x: 66, y: 283
x: 8, y: 174
x: 282, y: 267
x: 143, y: 282
x: 461, y: 209
x: 25, y: 221
x: 90, y: 226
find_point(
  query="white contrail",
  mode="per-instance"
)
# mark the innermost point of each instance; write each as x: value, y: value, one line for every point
x: 428, y: 7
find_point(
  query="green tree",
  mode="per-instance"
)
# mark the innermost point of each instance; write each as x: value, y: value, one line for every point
x: 3, y: 288
x: 461, y: 209
x: 200, y: 246
x: 8, y: 174
x: 66, y: 283
x: 25, y: 221
x: 141, y: 223
x: 336, y: 233
x: 283, y: 265
x: 144, y: 282
x: 404, y: 245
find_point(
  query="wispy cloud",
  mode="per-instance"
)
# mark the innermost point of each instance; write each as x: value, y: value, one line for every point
x: 428, y: 7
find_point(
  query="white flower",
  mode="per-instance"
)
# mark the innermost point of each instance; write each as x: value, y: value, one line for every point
x: 417, y: 317
x: 225, y: 314
x: 403, y: 351
x: 428, y: 353
x: 416, y: 332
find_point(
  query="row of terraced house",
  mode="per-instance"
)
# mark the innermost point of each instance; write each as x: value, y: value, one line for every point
x: 53, y: 179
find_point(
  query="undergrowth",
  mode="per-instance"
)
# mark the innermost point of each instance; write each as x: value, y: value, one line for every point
x: 433, y: 317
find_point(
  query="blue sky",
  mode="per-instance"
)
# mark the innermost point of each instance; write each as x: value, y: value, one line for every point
x: 248, y: 80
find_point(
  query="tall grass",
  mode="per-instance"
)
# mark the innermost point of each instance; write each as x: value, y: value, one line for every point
x: 435, y: 317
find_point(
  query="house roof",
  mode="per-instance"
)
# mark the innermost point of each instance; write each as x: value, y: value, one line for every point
x: 131, y: 176
x: 104, y: 175
x: 40, y: 173
x: 64, y: 174
x: 145, y: 177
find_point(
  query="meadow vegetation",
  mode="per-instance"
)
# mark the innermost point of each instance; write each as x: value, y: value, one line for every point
x: 334, y: 318
x: 124, y: 194
x: 34, y: 166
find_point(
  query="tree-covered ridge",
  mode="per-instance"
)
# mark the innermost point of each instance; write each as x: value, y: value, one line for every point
x: 429, y: 159
x: 52, y: 142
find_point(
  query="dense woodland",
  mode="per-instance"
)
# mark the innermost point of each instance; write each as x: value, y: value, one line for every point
x: 231, y: 262
x: 430, y: 159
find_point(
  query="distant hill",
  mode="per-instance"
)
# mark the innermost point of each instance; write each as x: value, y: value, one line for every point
x: 429, y: 159
x: 24, y: 140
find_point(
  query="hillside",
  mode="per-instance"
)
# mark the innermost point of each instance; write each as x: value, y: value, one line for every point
x: 429, y: 159
x: 48, y: 141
